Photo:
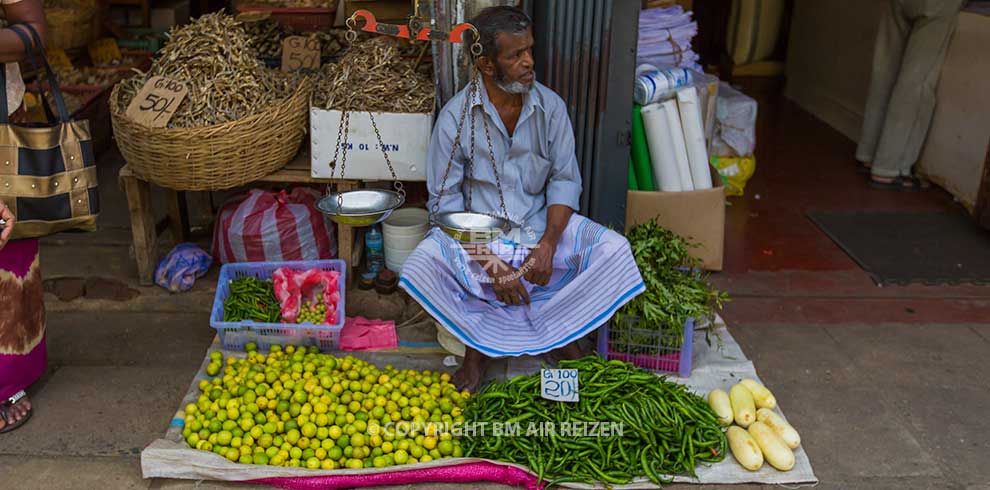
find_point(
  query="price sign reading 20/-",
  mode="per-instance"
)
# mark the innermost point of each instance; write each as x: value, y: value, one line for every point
x: 157, y: 100
x: 559, y: 384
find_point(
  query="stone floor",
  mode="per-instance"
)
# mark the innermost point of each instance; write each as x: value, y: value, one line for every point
x: 889, y: 387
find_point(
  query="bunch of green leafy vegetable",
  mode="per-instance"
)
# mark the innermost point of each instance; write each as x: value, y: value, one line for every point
x: 676, y: 287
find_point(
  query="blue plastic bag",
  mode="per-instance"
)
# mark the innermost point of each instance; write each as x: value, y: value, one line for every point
x: 181, y: 267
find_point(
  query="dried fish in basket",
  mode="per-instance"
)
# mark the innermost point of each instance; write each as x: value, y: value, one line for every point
x: 373, y: 76
x: 213, y: 57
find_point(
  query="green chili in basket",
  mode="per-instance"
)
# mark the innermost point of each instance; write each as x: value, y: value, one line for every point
x: 252, y: 299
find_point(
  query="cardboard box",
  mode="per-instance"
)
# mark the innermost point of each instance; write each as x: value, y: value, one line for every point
x: 406, y: 137
x: 698, y: 215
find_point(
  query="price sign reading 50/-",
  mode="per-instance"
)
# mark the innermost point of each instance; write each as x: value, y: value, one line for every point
x: 559, y: 384
x: 300, y: 53
x: 156, y: 102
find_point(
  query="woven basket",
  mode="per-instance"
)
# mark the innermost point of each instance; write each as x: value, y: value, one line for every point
x: 213, y: 157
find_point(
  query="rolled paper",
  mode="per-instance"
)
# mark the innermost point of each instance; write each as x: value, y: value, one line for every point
x: 677, y: 139
x: 694, y: 137
x: 641, y: 152
x: 658, y: 137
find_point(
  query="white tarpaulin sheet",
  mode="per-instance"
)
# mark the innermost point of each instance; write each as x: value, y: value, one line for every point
x: 715, y: 366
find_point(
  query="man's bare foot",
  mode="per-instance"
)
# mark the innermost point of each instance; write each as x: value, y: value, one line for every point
x: 12, y: 414
x: 468, y: 377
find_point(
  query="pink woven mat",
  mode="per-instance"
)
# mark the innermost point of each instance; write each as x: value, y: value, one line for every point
x: 463, y: 473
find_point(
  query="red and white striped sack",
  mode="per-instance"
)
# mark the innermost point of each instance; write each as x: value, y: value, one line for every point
x: 264, y: 226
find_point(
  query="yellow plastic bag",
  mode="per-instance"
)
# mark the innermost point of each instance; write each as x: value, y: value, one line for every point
x: 735, y: 172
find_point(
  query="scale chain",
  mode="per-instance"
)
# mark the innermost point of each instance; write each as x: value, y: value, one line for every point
x: 342, y: 130
x: 498, y: 181
x: 468, y: 174
x: 435, y: 209
x: 473, y: 91
x: 342, y: 134
x: 395, y: 180
x: 346, y: 116
x: 470, y: 170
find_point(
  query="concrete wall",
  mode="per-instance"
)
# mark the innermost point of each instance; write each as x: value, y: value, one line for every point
x: 956, y: 148
x: 829, y: 57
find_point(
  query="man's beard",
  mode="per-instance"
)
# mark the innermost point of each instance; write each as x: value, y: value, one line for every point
x: 515, y: 87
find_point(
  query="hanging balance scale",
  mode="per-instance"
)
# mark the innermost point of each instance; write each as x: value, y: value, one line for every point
x: 367, y: 207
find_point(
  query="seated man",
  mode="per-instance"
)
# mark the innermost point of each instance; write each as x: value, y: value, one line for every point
x: 561, y: 275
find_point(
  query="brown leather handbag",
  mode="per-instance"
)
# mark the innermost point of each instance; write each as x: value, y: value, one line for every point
x: 48, y: 175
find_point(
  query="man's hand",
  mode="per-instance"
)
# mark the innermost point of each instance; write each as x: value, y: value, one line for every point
x: 8, y: 228
x: 507, y: 285
x: 539, y: 264
x: 506, y: 280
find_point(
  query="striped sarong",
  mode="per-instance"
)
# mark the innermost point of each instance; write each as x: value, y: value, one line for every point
x: 594, y: 274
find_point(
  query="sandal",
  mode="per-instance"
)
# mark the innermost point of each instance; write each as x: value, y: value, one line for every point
x: 6, y: 415
x: 863, y: 168
x: 900, y: 183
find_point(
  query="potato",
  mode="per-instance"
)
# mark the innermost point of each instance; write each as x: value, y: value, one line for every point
x: 743, y: 407
x: 774, y: 449
x: 744, y: 448
x: 780, y: 426
x: 719, y: 401
x: 761, y: 395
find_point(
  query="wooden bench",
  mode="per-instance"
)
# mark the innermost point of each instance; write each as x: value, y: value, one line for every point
x: 145, y: 232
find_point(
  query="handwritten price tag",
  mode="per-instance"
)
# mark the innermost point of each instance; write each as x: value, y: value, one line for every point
x: 156, y: 102
x: 300, y: 53
x: 559, y: 384
x: 104, y: 52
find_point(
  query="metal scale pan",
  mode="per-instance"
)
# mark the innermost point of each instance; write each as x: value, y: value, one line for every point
x: 363, y: 207
x: 472, y: 228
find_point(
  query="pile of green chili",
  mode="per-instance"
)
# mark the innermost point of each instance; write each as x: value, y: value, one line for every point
x: 666, y: 430
x: 252, y: 299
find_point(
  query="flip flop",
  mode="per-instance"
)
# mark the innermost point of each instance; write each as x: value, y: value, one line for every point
x: 901, y: 183
x: 5, y: 413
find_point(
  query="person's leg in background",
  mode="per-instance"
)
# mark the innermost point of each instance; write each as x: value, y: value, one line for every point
x: 887, y: 54
x: 912, y: 103
x: 22, y: 330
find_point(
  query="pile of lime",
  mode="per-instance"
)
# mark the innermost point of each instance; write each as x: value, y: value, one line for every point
x: 215, y: 365
x: 314, y: 313
x: 299, y: 408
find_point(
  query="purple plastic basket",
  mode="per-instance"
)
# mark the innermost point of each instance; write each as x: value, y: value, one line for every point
x: 234, y: 335
x: 657, y: 358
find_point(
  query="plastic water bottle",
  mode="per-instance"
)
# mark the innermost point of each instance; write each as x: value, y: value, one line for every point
x: 373, y: 246
x: 651, y: 86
